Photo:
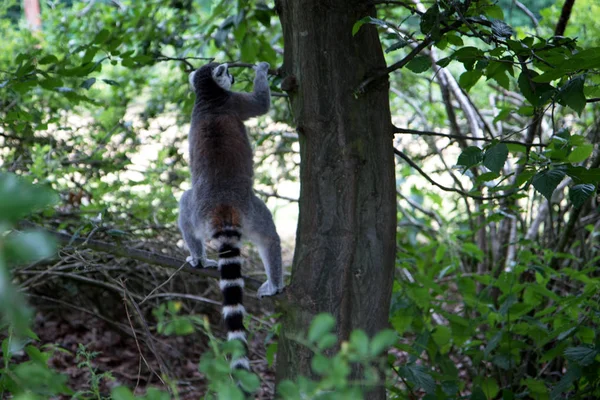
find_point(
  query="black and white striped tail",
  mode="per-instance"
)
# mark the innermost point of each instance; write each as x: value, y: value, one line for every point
x: 232, y: 287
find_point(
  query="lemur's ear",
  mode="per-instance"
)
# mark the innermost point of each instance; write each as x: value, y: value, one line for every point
x: 191, y: 79
x: 220, y: 69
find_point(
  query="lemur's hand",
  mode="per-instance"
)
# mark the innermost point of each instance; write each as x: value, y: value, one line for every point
x: 262, y: 67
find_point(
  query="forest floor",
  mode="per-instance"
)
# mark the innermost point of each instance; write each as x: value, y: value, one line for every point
x: 108, y: 304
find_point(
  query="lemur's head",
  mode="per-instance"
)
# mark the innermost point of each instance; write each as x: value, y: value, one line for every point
x: 205, y: 77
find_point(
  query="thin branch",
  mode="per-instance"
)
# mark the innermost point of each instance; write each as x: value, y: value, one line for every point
x: 565, y: 14
x: 527, y: 12
x: 396, y: 3
x: 277, y: 196
x: 446, y: 188
x: 234, y: 64
x: 184, y: 60
x: 417, y: 206
x: 426, y: 42
x: 459, y: 137
x: 120, y: 250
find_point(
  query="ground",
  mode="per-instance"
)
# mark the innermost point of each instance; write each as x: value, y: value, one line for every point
x: 79, y: 299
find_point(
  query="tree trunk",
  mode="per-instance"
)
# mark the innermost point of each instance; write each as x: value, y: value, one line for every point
x: 345, y: 246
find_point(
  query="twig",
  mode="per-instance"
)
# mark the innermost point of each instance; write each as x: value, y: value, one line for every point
x: 184, y: 296
x: 83, y: 310
x: 236, y: 64
x: 527, y: 12
x: 184, y: 60
x: 141, y: 255
x: 426, y: 42
x: 459, y: 137
x: 137, y: 344
x: 414, y: 204
x: 445, y: 188
x: 162, y: 284
x: 277, y: 196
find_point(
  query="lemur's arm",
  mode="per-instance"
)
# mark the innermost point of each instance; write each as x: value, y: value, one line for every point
x: 249, y: 105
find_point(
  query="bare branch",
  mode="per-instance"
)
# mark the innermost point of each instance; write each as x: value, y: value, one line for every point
x: 446, y: 188
x: 459, y: 137
x: 426, y: 42
x: 565, y: 14
x: 235, y: 64
x: 120, y: 250
x: 527, y: 12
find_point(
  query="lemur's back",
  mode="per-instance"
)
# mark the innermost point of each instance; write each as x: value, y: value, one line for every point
x: 220, y: 153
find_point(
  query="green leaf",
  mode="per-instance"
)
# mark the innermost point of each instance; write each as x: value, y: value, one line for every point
x: 494, y: 11
x: 88, y: 83
x: 580, y: 153
x: 573, y: 373
x: 581, y: 355
x: 468, y: 56
x: 372, y: 21
x: 473, y: 250
x: 440, y: 252
x: 230, y: 392
x: 249, y: 49
x: 249, y: 381
x: 327, y: 341
x: 584, y: 175
x: 490, y: 388
x: 110, y: 82
x: 486, y: 177
x: 443, y: 62
x: 419, y: 64
x: 271, y: 352
x: 571, y: 94
x: 492, y: 344
x: 360, y: 342
x: 320, y: 364
x: 418, y: 376
x: 398, y: 45
x: 101, y: 36
x: 470, y: 156
x: 122, y: 393
x: 430, y: 21
x: 495, y: 157
x: 321, y: 324
x: 288, y: 390
x: 578, y: 194
x: 468, y: 79
x: 49, y: 59
x: 454, y: 40
x: 29, y: 246
x: 536, y: 93
x: 19, y: 198
x: 546, y: 181
x: 536, y: 387
x: 382, y: 341
x: 442, y: 335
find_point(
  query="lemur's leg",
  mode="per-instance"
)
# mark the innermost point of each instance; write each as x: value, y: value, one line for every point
x: 191, y: 236
x: 260, y: 229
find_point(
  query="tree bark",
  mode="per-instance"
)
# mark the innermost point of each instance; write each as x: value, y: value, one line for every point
x: 345, y: 246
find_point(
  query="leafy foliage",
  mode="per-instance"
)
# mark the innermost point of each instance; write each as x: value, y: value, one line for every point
x: 492, y: 298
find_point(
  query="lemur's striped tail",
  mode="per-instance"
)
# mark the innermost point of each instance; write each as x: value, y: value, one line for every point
x: 228, y: 236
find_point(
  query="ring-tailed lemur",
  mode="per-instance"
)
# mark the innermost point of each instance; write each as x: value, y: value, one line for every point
x: 221, y: 204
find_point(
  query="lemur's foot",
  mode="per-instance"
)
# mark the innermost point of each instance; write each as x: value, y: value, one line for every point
x: 268, y: 289
x: 199, y: 263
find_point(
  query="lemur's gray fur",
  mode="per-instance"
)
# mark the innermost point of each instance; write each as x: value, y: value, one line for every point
x: 221, y: 204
